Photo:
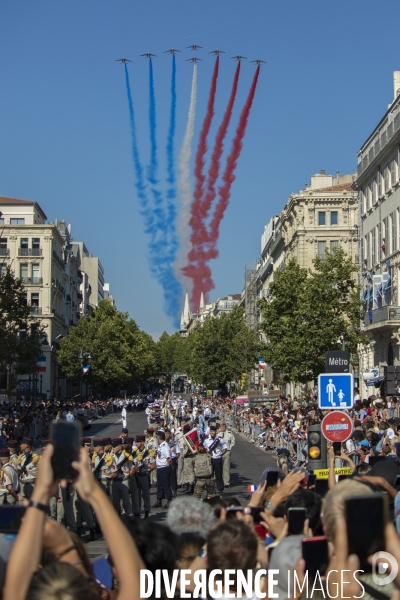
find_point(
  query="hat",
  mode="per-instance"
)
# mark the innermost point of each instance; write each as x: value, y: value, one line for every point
x: 116, y: 442
x: 86, y: 440
x: 44, y: 443
x: 186, y: 428
x: 27, y: 441
x: 213, y: 428
x: 98, y: 442
x: 124, y: 430
x: 4, y: 452
x: 140, y: 438
x: 12, y: 443
x: 150, y: 430
x: 128, y: 440
x: 107, y: 441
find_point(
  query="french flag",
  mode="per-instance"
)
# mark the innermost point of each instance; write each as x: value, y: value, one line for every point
x: 252, y: 488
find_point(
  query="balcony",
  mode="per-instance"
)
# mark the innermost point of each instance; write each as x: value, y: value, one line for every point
x: 68, y: 299
x: 4, y: 251
x: 384, y: 316
x: 58, y: 259
x: 79, y: 275
x: 32, y: 280
x: 29, y: 252
x: 36, y: 310
x: 79, y: 296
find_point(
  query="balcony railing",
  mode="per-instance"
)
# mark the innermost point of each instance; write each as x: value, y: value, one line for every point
x: 79, y: 296
x: 29, y: 251
x: 32, y: 280
x: 384, y: 313
x: 36, y: 310
x: 4, y: 251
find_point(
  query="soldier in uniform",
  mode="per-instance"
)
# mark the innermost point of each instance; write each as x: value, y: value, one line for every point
x: 229, y: 439
x: 188, y: 472
x: 120, y: 479
x: 203, y: 471
x: 163, y: 463
x: 216, y: 447
x: 175, y: 452
x: 13, y: 447
x: 151, y: 444
x: 144, y: 464
x: 8, y: 479
x: 102, y: 463
x: 27, y: 469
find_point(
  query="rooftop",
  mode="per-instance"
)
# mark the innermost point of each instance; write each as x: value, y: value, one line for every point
x: 5, y: 200
x: 335, y: 188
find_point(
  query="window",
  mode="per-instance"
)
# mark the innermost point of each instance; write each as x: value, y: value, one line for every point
x: 380, y: 190
x: 385, y: 238
x: 373, y: 246
x: 23, y: 271
x: 373, y: 192
x: 35, y: 299
x: 321, y: 218
x: 322, y: 248
x: 387, y: 182
x: 17, y: 221
x: 333, y: 244
x: 362, y: 202
x: 394, y: 231
x: 334, y: 217
x: 35, y: 243
x: 26, y: 298
x: 368, y: 249
x: 380, y: 235
x: 3, y: 243
x: 24, y: 243
x: 393, y: 171
x: 35, y: 272
x: 1, y: 221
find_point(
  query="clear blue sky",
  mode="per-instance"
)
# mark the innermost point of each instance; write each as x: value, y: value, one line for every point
x: 64, y: 130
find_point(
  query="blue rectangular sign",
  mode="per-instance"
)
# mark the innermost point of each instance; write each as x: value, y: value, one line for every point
x: 335, y: 391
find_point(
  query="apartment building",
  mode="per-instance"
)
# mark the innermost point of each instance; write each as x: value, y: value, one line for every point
x: 49, y: 264
x: 378, y: 185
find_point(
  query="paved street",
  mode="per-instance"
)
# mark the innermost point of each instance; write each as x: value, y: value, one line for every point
x: 248, y: 463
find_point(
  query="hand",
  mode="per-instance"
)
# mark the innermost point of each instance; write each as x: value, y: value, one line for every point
x: 45, y: 486
x: 256, y: 496
x: 342, y: 562
x: 272, y: 524
x: 86, y: 484
x: 290, y: 484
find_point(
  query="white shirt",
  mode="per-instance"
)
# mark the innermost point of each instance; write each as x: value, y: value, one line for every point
x: 217, y: 452
x: 123, y: 413
x: 163, y: 454
x: 69, y: 417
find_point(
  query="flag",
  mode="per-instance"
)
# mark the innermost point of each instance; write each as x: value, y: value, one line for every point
x: 252, y: 488
x: 191, y: 439
x: 85, y: 370
x: 41, y: 366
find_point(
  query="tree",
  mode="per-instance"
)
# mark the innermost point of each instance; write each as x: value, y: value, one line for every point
x: 121, y: 354
x: 306, y: 313
x: 21, y: 335
x: 170, y: 353
x: 222, y: 349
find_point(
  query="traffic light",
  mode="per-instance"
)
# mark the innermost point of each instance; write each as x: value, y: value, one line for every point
x: 390, y: 383
x: 317, y: 455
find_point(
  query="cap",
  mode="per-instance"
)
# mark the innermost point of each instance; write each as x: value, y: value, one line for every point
x: 4, y: 452
x: 27, y: 441
x: 386, y: 468
x: 128, y: 440
x: 44, y: 443
x: 213, y: 428
x: 98, y: 442
x: 186, y: 428
x: 140, y: 438
x: 107, y: 441
x: 150, y: 430
x: 12, y: 443
x: 124, y: 430
x: 116, y: 442
x: 86, y: 440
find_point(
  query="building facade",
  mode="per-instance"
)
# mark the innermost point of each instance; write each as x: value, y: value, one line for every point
x: 378, y: 185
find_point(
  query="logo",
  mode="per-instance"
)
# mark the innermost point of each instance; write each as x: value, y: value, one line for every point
x: 384, y: 563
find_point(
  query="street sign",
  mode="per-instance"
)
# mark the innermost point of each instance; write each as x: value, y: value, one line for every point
x: 324, y: 473
x: 337, y: 426
x: 335, y: 390
x: 337, y: 361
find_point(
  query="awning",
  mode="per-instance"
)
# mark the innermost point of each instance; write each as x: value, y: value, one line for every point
x: 375, y: 380
x: 387, y: 285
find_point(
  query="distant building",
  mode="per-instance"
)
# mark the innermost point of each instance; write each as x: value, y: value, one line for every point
x: 189, y: 321
x: 378, y: 185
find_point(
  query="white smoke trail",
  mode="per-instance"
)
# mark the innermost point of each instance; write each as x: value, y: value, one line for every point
x: 184, y: 182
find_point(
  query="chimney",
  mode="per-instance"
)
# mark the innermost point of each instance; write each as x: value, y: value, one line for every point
x: 322, y: 172
x: 396, y: 82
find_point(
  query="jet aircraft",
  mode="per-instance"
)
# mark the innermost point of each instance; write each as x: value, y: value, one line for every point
x: 149, y: 55
x: 239, y: 57
x: 193, y: 47
x: 194, y: 59
x: 171, y: 51
x: 123, y: 60
x: 258, y: 61
x: 216, y: 52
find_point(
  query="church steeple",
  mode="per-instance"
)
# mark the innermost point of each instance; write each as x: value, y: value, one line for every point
x: 186, y: 310
x: 201, y: 302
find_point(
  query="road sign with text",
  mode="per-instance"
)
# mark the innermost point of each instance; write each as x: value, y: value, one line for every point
x: 335, y: 391
x: 337, y: 361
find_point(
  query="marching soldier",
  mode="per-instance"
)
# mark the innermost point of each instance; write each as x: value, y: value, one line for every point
x: 144, y: 465
x: 229, y: 439
x: 27, y: 468
x: 13, y: 445
x: 151, y: 444
x: 216, y: 447
x: 203, y: 470
x: 123, y: 463
x: 8, y: 479
x: 188, y: 472
x: 175, y: 452
x: 163, y: 463
x: 102, y: 464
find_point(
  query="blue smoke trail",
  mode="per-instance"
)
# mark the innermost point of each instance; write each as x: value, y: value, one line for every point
x: 153, y: 167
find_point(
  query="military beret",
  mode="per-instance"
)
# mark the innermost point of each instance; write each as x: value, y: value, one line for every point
x: 140, y: 438
x: 150, y: 430
x: 128, y: 440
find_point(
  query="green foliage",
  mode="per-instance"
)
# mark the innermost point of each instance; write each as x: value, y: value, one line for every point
x: 121, y: 354
x: 222, y: 349
x: 306, y: 313
x: 20, y: 333
x: 171, y: 353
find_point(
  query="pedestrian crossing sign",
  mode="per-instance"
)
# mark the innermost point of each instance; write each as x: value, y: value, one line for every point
x: 335, y: 391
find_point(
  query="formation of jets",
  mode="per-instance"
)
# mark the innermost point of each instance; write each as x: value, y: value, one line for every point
x: 194, y: 59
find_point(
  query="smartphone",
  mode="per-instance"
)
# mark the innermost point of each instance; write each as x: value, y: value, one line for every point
x: 397, y: 482
x: 321, y: 487
x: 255, y: 512
x: 296, y: 517
x: 343, y: 477
x: 311, y: 480
x: 366, y: 517
x: 316, y: 556
x: 10, y: 521
x: 375, y: 459
x: 337, y: 448
x: 271, y: 477
x: 66, y: 439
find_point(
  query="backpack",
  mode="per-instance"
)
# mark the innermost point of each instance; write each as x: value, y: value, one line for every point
x: 202, y: 465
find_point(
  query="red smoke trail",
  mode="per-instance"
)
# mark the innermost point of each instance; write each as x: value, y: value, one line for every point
x: 202, y: 149
x: 200, y: 272
x: 199, y: 233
